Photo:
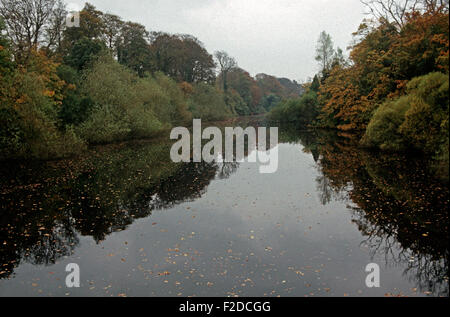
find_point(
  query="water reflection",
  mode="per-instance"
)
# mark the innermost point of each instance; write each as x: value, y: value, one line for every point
x: 396, y: 202
x: 45, y: 207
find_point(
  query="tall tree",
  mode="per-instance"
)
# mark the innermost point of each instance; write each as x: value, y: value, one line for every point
x: 182, y: 57
x: 226, y: 63
x: 270, y: 85
x: 83, y: 52
x: 339, y: 58
x: 240, y: 81
x: 315, y: 84
x: 133, y: 48
x: 325, y: 52
x: 28, y: 22
x: 112, y: 28
x: 55, y: 28
x: 198, y: 64
x: 91, y: 27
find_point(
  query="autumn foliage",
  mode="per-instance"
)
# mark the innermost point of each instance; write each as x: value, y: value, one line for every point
x: 109, y: 80
x: 383, y: 61
x: 395, y: 87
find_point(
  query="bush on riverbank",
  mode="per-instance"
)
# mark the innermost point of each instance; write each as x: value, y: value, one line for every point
x: 126, y: 106
x: 208, y: 104
x: 29, y: 102
x: 302, y: 111
x: 419, y: 119
x: 383, y: 131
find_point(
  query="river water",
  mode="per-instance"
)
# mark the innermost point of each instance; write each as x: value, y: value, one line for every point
x: 139, y: 225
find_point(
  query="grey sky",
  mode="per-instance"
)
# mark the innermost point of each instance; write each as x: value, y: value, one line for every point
x: 276, y: 37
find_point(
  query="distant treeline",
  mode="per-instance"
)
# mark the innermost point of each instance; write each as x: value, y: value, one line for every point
x: 62, y: 88
x: 393, y: 89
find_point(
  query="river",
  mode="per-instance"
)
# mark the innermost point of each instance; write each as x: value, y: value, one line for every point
x: 139, y: 225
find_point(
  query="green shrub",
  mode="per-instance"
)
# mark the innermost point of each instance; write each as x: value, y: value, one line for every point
x: 418, y: 120
x: 143, y: 123
x: 127, y: 106
x: 11, y: 133
x: 302, y: 111
x: 165, y: 98
x: 280, y: 113
x: 30, y: 122
x: 269, y: 102
x: 207, y: 103
x: 236, y: 104
x: 54, y: 144
x: 83, y: 53
x: 109, y: 83
x: 383, y: 130
x: 120, y: 112
x: 104, y: 126
x: 426, y: 121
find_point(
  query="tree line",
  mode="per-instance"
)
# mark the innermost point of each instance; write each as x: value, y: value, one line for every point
x: 62, y: 88
x: 393, y: 87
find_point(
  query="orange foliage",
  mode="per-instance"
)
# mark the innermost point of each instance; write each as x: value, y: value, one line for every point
x: 45, y: 68
x: 383, y: 62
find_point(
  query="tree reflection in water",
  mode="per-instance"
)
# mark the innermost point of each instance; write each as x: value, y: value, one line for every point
x: 397, y: 202
x: 45, y: 206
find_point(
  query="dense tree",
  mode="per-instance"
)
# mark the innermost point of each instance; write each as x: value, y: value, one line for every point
x: 315, y: 84
x: 91, y: 27
x: 383, y: 60
x: 83, y: 52
x: 207, y: 103
x: 257, y: 96
x: 291, y: 87
x: 75, y: 107
x: 113, y: 25
x: 395, y: 87
x: 269, y: 102
x: 182, y: 57
x: 133, y: 49
x: 127, y: 106
x: 270, y: 85
x: 199, y: 66
x: 302, y: 111
x: 241, y: 82
x: 34, y: 97
x: 10, y: 132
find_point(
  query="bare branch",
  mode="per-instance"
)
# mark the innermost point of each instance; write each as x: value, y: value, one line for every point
x: 396, y: 11
x: 31, y: 23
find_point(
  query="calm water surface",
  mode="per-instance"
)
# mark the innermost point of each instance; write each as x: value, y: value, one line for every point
x: 139, y: 225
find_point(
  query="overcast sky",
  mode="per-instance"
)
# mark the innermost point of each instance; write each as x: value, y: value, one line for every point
x: 276, y: 37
